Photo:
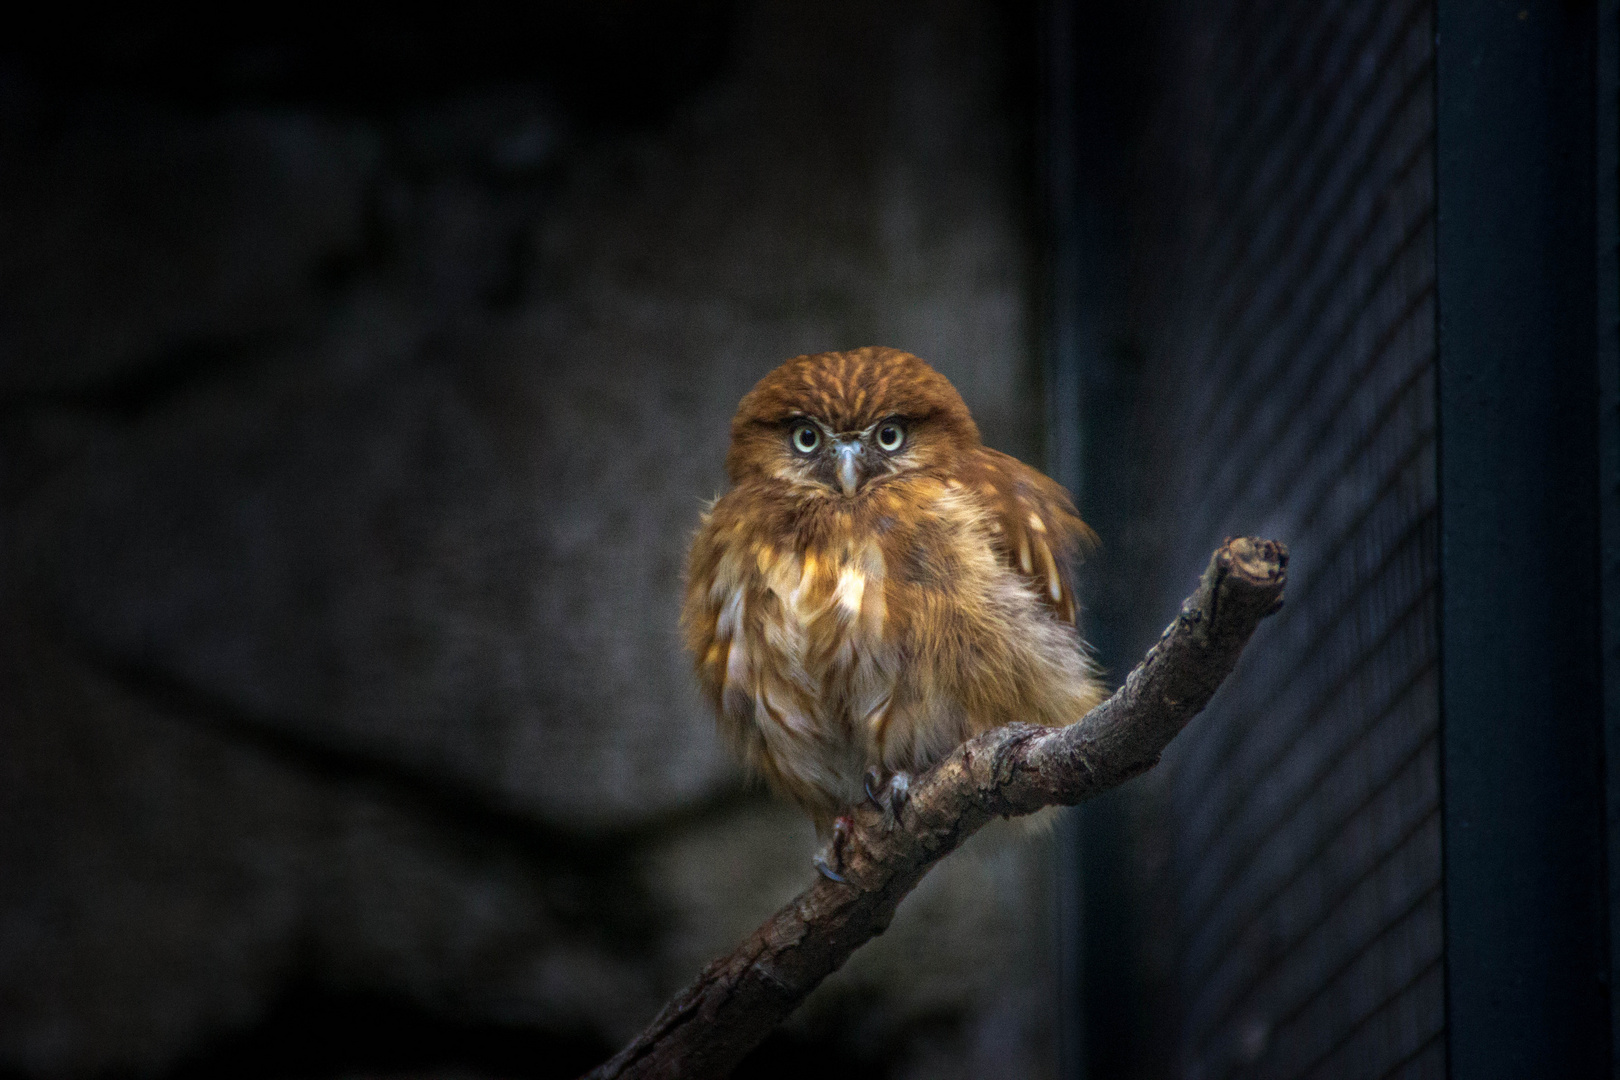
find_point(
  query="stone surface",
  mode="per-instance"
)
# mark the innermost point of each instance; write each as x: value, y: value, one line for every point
x: 348, y: 464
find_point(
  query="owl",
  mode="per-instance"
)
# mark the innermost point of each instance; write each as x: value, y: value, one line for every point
x: 877, y: 585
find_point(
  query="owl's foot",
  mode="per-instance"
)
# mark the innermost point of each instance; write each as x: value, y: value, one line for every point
x: 830, y: 859
x: 889, y: 795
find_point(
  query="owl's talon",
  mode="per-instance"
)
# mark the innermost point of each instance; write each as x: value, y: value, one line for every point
x: 889, y: 795
x: 895, y: 798
x: 821, y: 864
x: 830, y: 859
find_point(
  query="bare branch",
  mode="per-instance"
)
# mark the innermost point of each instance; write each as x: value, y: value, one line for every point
x: 736, y: 1001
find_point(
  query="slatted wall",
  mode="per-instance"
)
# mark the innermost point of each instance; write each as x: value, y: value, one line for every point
x: 1282, y: 303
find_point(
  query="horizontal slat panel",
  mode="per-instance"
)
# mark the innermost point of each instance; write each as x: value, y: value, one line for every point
x: 1286, y: 315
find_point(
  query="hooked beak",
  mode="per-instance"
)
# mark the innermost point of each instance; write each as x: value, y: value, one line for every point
x: 849, y: 470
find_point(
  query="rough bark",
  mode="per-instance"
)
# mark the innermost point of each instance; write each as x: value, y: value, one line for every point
x: 736, y: 1001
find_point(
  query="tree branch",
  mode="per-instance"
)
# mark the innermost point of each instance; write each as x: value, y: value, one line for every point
x: 736, y: 1001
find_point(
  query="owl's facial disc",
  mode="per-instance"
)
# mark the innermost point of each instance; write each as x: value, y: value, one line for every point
x: 841, y: 462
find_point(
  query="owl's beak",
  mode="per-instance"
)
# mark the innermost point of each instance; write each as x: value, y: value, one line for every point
x: 849, y: 466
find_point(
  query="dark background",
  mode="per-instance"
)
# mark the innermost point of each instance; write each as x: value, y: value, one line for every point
x: 363, y: 376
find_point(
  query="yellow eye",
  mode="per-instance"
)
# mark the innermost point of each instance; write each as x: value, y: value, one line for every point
x: 805, y: 438
x: 890, y: 436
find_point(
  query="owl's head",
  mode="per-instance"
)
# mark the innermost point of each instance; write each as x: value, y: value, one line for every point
x: 837, y: 422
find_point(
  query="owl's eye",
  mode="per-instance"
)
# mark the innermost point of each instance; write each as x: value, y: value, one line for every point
x: 805, y: 438
x: 890, y: 436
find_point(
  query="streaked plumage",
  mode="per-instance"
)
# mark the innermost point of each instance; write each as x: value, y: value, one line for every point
x: 850, y: 607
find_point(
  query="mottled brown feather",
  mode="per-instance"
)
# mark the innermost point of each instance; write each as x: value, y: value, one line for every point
x: 1034, y: 515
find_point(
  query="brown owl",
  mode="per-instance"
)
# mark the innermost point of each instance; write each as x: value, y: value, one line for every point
x: 878, y: 585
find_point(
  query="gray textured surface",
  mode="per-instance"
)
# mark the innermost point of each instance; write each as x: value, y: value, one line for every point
x: 348, y: 467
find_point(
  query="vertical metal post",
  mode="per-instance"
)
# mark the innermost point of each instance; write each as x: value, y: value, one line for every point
x: 1096, y: 74
x: 1063, y: 417
x: 1062, y: 388
x: 1526, y: 881
x: 1608, y: 343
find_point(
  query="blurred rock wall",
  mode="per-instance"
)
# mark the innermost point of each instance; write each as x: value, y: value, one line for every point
x: 349, y: 447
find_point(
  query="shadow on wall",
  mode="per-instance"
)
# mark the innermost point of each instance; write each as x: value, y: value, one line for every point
x: 362, y: 386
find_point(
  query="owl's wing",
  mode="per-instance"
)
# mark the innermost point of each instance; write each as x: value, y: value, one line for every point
x: 1037, y: 529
